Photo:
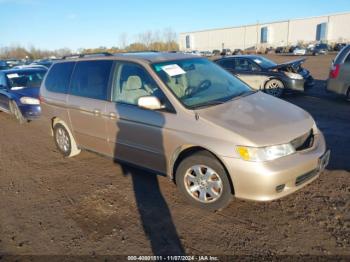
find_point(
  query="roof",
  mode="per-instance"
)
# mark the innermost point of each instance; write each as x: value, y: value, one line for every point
x: 148, y: 57
x: 157, y: 56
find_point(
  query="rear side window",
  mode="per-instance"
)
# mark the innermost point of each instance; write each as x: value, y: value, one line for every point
x: 90, y: 79
x: 59, y: 76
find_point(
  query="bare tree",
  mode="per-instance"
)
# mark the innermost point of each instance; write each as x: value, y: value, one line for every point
x: 170, y: 37
x: 123, y: 40
x: 63, y: 52
x: 146, y: 38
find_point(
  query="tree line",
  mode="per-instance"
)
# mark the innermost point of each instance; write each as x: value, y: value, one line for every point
x: 146, y: 41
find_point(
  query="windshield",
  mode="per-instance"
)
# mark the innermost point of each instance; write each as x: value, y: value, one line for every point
x: 264, y: 62
x: 25, y: 79
x: 199, y: 82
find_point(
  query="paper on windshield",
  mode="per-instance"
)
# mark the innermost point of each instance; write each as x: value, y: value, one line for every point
x: 12, y: 75
x: 173, y: 70
x: 258, y: 61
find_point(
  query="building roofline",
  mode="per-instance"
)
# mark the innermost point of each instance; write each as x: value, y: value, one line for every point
x: 264, y: 23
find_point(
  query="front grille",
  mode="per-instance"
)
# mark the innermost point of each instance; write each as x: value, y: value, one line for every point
x: 302, y: 179
x: 303, y: 142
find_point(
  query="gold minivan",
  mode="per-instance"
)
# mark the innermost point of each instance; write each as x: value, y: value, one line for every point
x: 187, y: 118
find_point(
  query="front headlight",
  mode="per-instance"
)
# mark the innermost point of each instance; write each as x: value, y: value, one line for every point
x: 261, y: 154
x: 293, y: 75
x: 29, y: 101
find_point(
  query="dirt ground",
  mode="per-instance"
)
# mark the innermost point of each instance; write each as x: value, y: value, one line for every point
x: 88, y: 205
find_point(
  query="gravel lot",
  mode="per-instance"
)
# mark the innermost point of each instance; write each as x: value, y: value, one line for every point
x: 89, y: 205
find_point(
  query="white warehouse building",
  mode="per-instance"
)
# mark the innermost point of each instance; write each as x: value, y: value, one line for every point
x: 329, y: 28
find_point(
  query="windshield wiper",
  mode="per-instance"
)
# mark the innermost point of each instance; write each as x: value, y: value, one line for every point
x: 207, y: 104
x: 219, y: 102
x: 243, y: 94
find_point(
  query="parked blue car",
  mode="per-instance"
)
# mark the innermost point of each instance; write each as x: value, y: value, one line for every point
x: 19, y: 92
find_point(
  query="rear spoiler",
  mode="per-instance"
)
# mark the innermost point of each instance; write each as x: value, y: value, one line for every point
x: 293, y: 63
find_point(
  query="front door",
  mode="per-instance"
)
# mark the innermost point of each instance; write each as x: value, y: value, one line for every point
x: 250, y: 73
x: 135, y: 135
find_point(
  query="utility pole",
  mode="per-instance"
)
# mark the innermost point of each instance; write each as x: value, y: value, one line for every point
x: 327, y: 30
x: 288, y: 33
x: 245, y: 35
x: 257, y: 36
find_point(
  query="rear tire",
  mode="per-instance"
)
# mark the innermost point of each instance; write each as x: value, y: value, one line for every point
x: 274, y: 87
x: 16, y: 112
x: 348, y: 94
x: 62, y: 140
x: 203, y: 181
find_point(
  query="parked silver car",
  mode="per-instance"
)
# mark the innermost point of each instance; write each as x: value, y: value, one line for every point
x: 339, y: 76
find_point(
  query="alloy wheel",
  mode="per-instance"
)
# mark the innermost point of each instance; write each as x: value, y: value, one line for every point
x: 274, y: 87
x: 62, y: 139
x: 203, y: 183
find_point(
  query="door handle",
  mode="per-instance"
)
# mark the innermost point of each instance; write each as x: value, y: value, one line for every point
x: 96, y: 112
x: 112, y: 115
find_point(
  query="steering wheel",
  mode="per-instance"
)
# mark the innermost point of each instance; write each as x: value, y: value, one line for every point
x: 204, y: 85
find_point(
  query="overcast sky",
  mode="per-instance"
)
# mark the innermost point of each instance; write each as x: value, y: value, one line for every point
x: 76, y: 24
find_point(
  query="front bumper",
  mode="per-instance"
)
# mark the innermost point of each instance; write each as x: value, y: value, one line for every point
x: 30, y: 112
x: 262, y: 181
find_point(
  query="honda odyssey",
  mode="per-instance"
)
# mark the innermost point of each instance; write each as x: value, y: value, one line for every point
x: 187, y: 118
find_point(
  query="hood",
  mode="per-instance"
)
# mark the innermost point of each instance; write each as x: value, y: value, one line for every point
x: 260, y: 119
x: 27, y: 91
x: 294, y: 64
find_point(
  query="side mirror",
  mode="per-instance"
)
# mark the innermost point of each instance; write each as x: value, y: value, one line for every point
x: 149, y: 102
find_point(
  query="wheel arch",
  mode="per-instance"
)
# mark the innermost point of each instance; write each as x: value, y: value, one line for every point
x: 272, y: 78
x: 75, y: 149
x: 186, y: 151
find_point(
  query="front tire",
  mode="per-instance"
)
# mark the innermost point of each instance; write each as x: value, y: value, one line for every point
x: 203, y: 181
x: 62, y: 140
x: 274, y: 87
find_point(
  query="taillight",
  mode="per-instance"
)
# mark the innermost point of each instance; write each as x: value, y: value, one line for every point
x: 334, y: 71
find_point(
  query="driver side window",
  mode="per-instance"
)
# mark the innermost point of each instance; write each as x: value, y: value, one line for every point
x: 228, y: 63
x: 3, y: 82
x: 131, y: 81
x: 246, y: 65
